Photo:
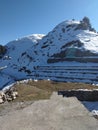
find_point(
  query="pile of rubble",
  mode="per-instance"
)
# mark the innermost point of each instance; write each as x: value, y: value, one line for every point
x: 8, y: 95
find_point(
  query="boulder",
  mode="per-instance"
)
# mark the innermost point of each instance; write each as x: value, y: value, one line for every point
x: 1, y: 100
x: 2, y: 97
x: 14, y: 95
x: 9, y: 95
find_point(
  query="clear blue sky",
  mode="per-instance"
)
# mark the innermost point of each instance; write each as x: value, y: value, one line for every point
x: 19, y: 18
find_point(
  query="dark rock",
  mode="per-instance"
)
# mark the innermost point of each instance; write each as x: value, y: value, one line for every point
x: 82, y: 95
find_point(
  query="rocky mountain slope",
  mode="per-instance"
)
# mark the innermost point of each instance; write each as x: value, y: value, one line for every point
x: 68, y: 53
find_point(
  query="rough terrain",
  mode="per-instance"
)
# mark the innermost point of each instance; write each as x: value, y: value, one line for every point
x: 56, y: 113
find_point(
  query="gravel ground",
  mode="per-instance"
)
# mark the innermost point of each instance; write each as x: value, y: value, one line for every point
x: 57, y: 113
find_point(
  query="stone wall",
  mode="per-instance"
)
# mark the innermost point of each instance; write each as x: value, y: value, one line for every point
x: 82, y: 95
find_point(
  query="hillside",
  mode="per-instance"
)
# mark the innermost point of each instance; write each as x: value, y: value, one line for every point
x: 68, y: 53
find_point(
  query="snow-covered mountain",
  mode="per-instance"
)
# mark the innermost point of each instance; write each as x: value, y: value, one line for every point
x: 64, y: 54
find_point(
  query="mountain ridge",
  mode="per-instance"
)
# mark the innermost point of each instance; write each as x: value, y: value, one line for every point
x: 69, y: 42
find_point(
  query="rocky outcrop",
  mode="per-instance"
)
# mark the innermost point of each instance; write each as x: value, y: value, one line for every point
x: 2, y: 50
x: 9, y: 95
x: 85, y: 25
x: 2, y: 97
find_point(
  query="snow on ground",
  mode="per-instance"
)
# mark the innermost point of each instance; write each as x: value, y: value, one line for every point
x: 91, y: 106
x: 31, y: 51
x: 5, y: 80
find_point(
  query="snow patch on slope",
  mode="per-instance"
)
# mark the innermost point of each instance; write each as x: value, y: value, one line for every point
x: 24, y: 55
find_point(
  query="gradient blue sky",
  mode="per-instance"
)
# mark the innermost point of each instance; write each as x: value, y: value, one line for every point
x: 19, y: 18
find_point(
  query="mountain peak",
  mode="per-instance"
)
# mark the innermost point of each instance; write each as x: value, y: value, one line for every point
x: 69, y: 41
x: 84, y: 24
